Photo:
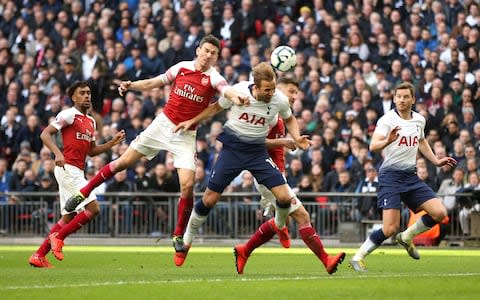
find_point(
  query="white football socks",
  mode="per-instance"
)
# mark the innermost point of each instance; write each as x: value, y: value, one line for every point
x: 417, y: 228
x: 194, y: 224
x: 281, y: 215
x: 365, y: 249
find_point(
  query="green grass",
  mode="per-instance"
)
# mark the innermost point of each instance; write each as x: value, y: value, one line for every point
x: 209, y: 273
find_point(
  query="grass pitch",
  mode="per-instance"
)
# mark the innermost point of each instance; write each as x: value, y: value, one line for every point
x: 209, y: 273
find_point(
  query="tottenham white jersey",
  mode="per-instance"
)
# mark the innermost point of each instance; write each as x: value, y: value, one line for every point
x: 253, y: 122
x: 402, y: 153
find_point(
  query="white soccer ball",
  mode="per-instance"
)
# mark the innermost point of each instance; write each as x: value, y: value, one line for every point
x: 283, y: 58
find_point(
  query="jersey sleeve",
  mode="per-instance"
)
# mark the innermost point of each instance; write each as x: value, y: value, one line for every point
x: 225, y: 103
x: 383, y: 126
x: 219, y: 83
x: 63, y: 119
x: 170, y: 75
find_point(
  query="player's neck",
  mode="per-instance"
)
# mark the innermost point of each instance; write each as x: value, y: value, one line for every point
x: 201, y: 68
x: 406, y: 114
x: 81, y: 109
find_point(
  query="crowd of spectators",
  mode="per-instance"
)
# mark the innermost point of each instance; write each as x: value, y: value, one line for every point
x: 350, y: 56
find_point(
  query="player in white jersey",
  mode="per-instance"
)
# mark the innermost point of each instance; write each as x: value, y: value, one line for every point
x: 400, y: 134
x: 244, y: 148
x: 275, y: 142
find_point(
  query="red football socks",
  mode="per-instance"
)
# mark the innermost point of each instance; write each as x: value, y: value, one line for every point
x: 103, y: 175
x: 81, y: 219
x: 185, y: 207
x: 312, y: 240
x: 45, y: 246
x: 263, y: 234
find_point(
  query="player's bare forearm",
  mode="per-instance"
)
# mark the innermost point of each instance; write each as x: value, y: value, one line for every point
x: 146, y: 84
x: 237, y: 98
x: 427, y: 151
x: 207, y: 113
x: 377, y: 145
x: 301, y: 141
x: 46, y: 137
x: 380, y: 141
x: 292, y: 127
x: 140, y: 85
x: 280, y: 142
x: 97, y: 149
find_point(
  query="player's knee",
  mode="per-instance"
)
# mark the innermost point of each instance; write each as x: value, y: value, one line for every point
x: 286, y: 199
x: 301, y: 216
x: 440, y: 214
x: 93, y: 208
x: 187, y: 187
x: 210, y: 198
x: 389, y: 230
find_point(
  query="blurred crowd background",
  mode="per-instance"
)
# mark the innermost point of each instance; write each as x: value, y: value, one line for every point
x: 350, y: 56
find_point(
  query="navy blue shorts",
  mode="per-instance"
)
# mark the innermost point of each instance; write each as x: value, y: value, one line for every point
x: 237, y: 156
x: 397, y: 186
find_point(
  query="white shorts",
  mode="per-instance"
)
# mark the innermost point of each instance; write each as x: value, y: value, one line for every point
x: 159, y: 136
x: 70, y: 179
x: 268, y: 199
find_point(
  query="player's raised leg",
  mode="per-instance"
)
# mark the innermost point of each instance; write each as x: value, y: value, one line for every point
x: 126, y: 160
x: 436, y: 212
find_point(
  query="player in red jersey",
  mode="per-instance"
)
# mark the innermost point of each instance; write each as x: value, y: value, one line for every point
x: 194, y: 83
x: 78, y: 135
x: 276, y: 141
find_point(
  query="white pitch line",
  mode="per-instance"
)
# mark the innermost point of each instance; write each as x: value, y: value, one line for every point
x: 298, y: 278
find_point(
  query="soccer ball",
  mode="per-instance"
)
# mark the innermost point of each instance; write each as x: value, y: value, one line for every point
x: 283, y: 58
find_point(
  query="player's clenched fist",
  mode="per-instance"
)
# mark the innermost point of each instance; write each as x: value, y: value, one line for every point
x: 119, y: 137
x: 123, y: 87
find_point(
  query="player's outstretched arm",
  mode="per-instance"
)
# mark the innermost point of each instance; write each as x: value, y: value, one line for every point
x: 207, y: 113
x: 301, y: 141
x: 97, y: 149
x: 426, y: 150
x: 379, y: 141
x: 281, y: 142
x: 46, y: 137
x: 236, y: 97
x: 140, y: 85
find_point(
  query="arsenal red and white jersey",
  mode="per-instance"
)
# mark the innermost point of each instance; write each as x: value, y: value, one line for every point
x: 78, y: 132
x: 276, y: 153
x: 192, y: 90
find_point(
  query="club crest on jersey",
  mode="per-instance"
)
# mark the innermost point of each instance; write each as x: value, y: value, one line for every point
x: 409, y: 141
x: 204, y: 81
x: 252, y: 119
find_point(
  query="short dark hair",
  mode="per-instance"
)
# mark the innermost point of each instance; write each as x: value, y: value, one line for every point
x: 288, y: 80
x: 211, y: 40
x: 406, y: 86
x: 75, y: 86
